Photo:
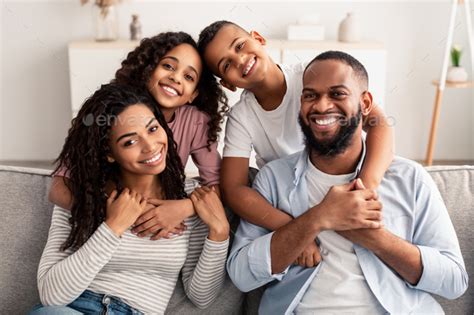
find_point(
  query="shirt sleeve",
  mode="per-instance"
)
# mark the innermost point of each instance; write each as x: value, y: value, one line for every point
x: 444, y: 272
x: 64, y: 275
x: 249, y: 263
x: 62, y: 172
x: 237, y: 142
x: 207, y: 160
x: 203, y: 272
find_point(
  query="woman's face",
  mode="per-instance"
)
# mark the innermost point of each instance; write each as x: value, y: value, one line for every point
x: 173, y: 83
x: 137, y: 141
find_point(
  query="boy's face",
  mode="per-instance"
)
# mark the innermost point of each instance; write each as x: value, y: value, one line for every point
x: 237, y: 57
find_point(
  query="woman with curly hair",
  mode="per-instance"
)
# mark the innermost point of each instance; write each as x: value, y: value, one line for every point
x: 120, y: 155
x: 188, y: 95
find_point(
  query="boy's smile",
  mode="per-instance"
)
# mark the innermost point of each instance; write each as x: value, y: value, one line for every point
x: 237, y: 57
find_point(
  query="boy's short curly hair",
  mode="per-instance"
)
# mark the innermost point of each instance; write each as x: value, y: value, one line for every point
x: 209, y: 32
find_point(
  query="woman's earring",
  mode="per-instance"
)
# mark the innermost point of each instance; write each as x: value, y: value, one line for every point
x: 110, y: 159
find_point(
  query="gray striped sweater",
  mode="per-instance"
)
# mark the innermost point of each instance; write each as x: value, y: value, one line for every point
x: 142, y: 272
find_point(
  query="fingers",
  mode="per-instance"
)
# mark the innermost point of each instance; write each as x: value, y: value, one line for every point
x: 145, y: 226
x: 359, y: 184
x: 316, y: 257
x: 374, y: 215
x: 199, y: 192
x: 367, y: 194
x: 155, y: 202
x: 143, y: 203
x: 374, y: 205
x: 145, y: 217
x: 193, y: 197
x: 369, y: 224
x: 346, y: 187
x: 111, y: 197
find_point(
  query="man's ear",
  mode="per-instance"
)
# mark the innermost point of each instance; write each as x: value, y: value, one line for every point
x: 228, y: 85
x: 366, y: 102
x: 255, y: 35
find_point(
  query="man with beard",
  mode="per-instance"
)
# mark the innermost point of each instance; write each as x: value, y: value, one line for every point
x: 393, y: 268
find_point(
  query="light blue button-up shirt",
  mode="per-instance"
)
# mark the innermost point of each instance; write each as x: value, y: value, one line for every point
x: 413, y: 210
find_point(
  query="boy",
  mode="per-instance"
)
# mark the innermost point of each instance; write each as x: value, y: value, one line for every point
x: 266, y: 119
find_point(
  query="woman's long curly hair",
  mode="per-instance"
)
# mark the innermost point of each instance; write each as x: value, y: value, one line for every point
x: 85, y: 152
x: 140, y: 64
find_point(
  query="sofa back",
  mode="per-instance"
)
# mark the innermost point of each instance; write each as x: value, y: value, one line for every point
x: 26, y: 216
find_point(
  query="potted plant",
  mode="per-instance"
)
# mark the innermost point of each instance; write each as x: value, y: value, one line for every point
x: 456, y: 73
x: 106, y: 19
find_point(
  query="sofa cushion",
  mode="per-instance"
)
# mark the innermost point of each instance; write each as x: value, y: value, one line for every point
x: 456, y: 184
x: 26, y: 216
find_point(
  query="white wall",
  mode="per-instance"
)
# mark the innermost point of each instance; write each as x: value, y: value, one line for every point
x: 35, y: 99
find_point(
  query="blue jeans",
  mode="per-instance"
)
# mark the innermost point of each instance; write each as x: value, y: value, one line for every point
x: 89, y: 303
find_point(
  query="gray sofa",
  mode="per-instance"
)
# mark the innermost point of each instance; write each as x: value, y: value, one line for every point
x: 25, y: 219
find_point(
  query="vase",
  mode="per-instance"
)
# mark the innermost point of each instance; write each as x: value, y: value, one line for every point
x: 349, y: 29
x: 456, y: 74
x: 106, y: 23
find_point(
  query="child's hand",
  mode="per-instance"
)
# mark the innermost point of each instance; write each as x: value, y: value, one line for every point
x: 209, y: 208
x: 123, y: 211
x: 310, y: 256
x: 164, y: 219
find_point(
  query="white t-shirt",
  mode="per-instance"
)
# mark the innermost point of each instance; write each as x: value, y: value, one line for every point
x: 340, y: 286
x: 272, y: 134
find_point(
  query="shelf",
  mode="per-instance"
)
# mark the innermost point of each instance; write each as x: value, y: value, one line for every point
x: 456, y: 85
x: 274, y: 43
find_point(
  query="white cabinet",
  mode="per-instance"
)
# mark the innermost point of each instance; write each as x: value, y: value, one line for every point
x: 371, y: 54
x: 92, y: 64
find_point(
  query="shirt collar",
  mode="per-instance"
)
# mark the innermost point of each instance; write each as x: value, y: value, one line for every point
x: 303, y: 160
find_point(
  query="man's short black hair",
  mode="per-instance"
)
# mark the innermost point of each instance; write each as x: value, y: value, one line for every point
x: 209, y: 32
x: 355, y: 64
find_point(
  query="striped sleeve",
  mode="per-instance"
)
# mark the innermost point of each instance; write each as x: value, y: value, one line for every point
x: 204, y: 269
x: 64, y: 275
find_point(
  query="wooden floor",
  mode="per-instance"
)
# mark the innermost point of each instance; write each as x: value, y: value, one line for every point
x: 49, y: 164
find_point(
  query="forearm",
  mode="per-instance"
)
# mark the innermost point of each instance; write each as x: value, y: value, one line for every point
x: 402, y: 256
x: 379, y: 154
x: 55, y: 283
x: 252, y: 207
x: 204, y: 269
x: 188, y: 208
x: 290, y: 240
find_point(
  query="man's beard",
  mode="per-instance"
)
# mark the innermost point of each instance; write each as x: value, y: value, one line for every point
x: 338, y: 143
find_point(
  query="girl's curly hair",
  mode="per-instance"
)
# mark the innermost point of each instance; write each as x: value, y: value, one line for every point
x: 84, y: 155
x: 140, y: 64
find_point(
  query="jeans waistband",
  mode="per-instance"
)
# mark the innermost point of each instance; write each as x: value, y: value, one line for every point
x: 108, y: 300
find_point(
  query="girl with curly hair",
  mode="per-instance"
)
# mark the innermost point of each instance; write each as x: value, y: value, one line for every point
x: 120, y: 155
x: 188, y: 95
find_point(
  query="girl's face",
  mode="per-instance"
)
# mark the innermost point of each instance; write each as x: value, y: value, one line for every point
x: 174, y: 81
x: 137, y: 141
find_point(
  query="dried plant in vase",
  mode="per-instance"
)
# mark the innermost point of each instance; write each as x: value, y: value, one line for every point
x: 456, y: 73
x: 106, y: 19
